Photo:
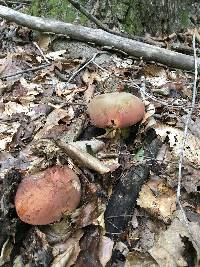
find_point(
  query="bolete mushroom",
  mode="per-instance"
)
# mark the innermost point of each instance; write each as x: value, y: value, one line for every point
x: 118, y: 110
x: 42, y: 198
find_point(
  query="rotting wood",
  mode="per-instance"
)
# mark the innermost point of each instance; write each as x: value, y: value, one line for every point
x: 102, y: 38
x: 120, y: 207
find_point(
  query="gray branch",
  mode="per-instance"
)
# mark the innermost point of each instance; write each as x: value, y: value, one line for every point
x: 101, y: 38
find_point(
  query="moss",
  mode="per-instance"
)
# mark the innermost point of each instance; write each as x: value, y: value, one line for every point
x: 127, y: 13
x: 184, y: 19
x: 132, y: 23
x: 57, y: 9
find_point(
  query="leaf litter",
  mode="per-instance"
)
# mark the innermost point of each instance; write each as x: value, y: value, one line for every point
x: 40, y: 105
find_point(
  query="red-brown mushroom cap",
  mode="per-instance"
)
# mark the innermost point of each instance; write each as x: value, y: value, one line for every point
x: 42, y: 198
x: 118, y: 110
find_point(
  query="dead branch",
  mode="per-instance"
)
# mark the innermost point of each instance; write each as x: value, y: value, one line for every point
x: 80, y: 8
x: 82, y: 157
x: 181, y: 155
x: 103, y: 38
x: 25, y: 71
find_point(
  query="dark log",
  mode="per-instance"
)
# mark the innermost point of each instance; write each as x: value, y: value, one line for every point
x: 120, y: 207
x: 102, y: 38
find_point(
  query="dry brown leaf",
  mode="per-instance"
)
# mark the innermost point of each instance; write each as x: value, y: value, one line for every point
x: 59, y: 114
x: 153, y: 70
x: 105, y: 250
x: 32, y: 88
x: 194, y: 125
x: 158, y: 199
x: 53, y: 120
x: 63, y: 88
x: 150, y: 111
x: 7, y: 131
x: 169, y: 249
x: 5, y: 64
x: 57, y: 55
x: 11, y: 108
x: 91, y: 213
x: 89, y: 92
x: 44, y: 41
x: 138, y: 259
x: 175, y: 137
x: 191, y: 175
x: 67, y: 253
x: 89, y: 77
x: 122, y: 63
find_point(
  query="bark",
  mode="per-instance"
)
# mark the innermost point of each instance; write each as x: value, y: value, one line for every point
x: 154, y: 17
x: 120, y: 207
x: 102, y: 38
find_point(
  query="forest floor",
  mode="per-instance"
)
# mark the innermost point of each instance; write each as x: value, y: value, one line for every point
x: 46, y: 83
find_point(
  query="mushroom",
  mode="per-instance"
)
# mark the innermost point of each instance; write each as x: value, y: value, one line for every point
x: 42, y: 198
x: 118, y: 110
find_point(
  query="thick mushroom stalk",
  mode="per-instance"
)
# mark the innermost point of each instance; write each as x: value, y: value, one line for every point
x: 117, y: 110
x: 42, y: 198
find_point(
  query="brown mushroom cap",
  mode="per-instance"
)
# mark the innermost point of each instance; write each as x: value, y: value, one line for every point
x: 42, y: 198
x: 118, y: 110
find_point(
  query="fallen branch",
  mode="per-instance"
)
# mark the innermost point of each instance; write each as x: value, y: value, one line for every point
x: 103, y: 38
x: 25, y: 71
x: 104, y: 27
x: 82, y: 158
x: 122, y: 202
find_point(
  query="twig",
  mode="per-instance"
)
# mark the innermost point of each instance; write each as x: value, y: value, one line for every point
x: 181, y: 154
x: 3, y: 249
x: 94, y: 144
x: 80, y: 8
x: 143, y: 88
x: 81, y: 68
x: 162, y: 102
x: 98, y: 66
x: 25, y: 71
x: 75, y: 104
x: 83, y: 158
x: 41, y: 52
x: 18, y: 2
x: 102, y: 26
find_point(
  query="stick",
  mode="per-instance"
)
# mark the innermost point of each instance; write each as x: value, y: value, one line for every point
x: 81, y: 68
x: 25, y: 71
x: 80, y: 8
x: 181, y: 155
x: 102, y: 38
x: 82, y: 157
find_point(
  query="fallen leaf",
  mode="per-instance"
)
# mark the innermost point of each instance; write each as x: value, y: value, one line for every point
x: 53, y: 119
x: 66, y: 253
x: 105, y: 250
x: 89, y: 77
x: 175, y: 137
x: 5, y: 64
x: 88, y: 257
x: 139, y: 259
x: 7, y: 131
x: 44, y: 41
x: 158, y: 199
x: 57, y: 55
x: 169, y: 249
